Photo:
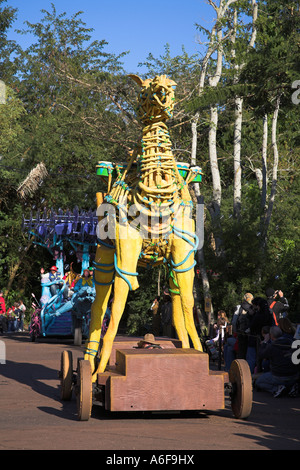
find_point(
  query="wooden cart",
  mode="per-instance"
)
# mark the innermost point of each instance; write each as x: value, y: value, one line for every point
x: 171, y: 378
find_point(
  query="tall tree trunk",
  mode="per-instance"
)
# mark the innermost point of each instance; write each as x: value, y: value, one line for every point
x: 215, y: 45
x: 215, y: 204
x: 262, y: 179
x: 264, y: 163
x: 237, y: 169
x: 269, y: 211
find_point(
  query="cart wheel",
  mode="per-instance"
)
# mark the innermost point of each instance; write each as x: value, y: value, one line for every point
x: 66, y: 375
x: 241, y: 394
x: 84, y: 390
x: 77, y: 331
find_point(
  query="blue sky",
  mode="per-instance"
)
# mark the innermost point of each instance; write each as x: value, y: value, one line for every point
x: 128, y: 25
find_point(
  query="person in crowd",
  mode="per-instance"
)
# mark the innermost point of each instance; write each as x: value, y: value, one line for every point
x: 3, y: 316
x: 261, y: 317
x: 220, y: 327
x: 212, y: 342
x: 166, y: 316
x: 264, y: 364
x: 235, y: 317
x: 242, y: 325
x: 230, y: 350
x: 277, y: 303
x: 148, y: 342
x: 2, y: 303
x: 222, y: 319
x: 287, y: 328
x: 12, y: 314
x: 156, y: 320
x: 16, y: 314
x: 86, y: 280
x: 54, y: 275
x: 71, y: 277
x: 283, y: 376
x: 217, y: 334
x: 22, y: 310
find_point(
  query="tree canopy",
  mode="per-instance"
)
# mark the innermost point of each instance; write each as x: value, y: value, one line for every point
x: 69, y: 104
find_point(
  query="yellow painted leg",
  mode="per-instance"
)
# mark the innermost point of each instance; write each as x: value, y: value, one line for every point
x: 185, y: 283
x: 178, y: 317
x: 178, y: 320
x: 121, y: 290
x: 104, y: 256
x: 128, y: 251
x: 184, y: 280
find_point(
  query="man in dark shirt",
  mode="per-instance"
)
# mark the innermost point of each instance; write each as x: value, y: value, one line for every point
x: 284, y: 374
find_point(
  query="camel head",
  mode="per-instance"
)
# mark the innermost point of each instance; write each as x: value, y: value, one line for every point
x: 156, y: 100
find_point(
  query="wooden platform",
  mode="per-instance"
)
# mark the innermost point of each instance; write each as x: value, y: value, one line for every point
x: 162, y: 379
x: 127, y: 342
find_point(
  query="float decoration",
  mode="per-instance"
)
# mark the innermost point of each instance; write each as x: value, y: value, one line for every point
x: 150, y: 184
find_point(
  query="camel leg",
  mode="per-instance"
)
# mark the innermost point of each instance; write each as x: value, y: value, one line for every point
x: 178, y: 317
x: 105, y: 258
x: 128, y: 251
x: 184, y: 280
x: 185, y: 283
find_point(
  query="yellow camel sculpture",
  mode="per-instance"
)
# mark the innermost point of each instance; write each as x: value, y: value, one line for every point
x: 151, y: 186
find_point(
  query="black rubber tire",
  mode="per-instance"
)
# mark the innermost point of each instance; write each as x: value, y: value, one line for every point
x: 66, y: 375
x: 241, y: 394
x: 77, y: 332
x: 84, y: 390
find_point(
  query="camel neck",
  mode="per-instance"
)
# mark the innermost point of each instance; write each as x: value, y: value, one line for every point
x: 157, y: 164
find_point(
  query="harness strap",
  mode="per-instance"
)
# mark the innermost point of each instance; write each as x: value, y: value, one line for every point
x: 122, y: 273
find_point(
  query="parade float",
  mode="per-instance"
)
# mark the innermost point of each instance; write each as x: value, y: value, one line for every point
x: 148, y: 210
x: 60, y: 314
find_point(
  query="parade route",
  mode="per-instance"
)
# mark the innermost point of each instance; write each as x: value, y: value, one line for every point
x: 33, y: 417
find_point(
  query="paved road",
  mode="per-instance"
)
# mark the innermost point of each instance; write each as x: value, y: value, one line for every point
x: 32, y: 415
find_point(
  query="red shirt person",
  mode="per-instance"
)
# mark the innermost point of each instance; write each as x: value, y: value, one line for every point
x: 3, y: 316
x: 2, y: 304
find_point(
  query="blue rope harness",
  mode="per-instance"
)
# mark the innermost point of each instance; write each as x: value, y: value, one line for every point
x: 109, y: 265
x: 194, y: 245
x: 121, y: 273
x: 174, y: 266
x: 113, y: 266
x: 90, y: 351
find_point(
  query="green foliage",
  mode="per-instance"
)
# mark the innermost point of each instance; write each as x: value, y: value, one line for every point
x: 69, y: 104
x: 139, y: 318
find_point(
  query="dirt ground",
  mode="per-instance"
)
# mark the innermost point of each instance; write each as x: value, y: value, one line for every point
x: 32, y: 416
